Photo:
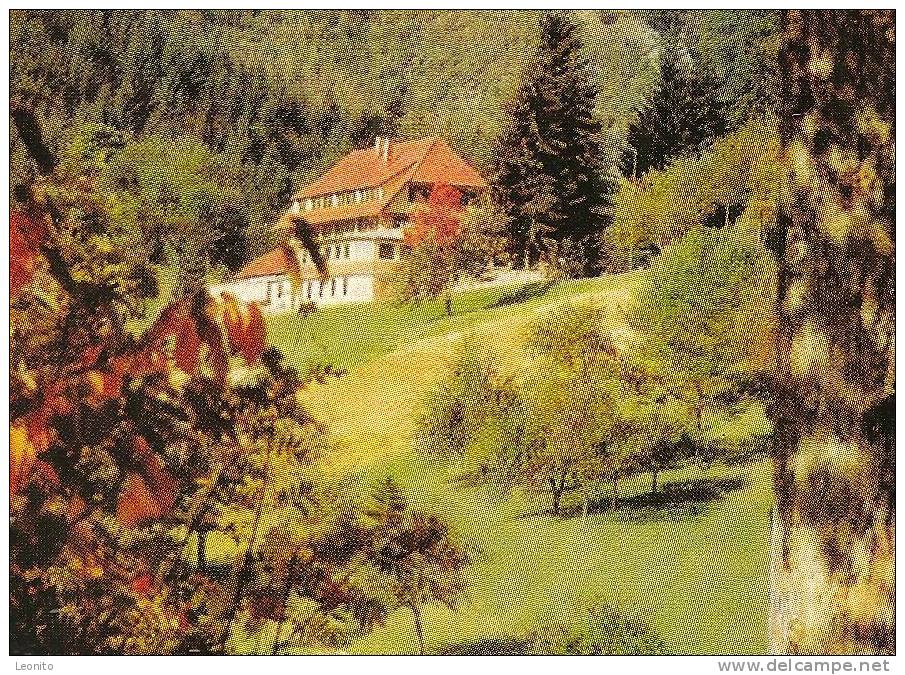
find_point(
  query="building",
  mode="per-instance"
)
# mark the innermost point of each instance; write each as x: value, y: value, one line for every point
x: 359, y: 209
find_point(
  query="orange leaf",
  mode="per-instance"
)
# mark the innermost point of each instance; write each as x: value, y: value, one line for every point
x: 26, y: 234
x: 252, y: 345
x: 188, y: 349
x: 141, y: 584
x: 207, y: 313
x: 22, y: 457
x: 244, y: 327
x: 136, y: 503
x: 149, y: 492
x: 75, y: 508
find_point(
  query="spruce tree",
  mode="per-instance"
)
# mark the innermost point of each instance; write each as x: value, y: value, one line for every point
x: 552, y: 165
x: 684, y: 114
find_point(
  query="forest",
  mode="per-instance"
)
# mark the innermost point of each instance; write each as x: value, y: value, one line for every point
x: 709, y: 197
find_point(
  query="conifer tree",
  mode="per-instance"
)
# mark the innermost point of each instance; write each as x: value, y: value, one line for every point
x: 684, y: 114
x: 552, y: 162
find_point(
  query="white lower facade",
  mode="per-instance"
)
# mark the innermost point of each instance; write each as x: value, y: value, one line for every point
x: 275, y: 293
x: 353, y: 259
x: 337, y: 290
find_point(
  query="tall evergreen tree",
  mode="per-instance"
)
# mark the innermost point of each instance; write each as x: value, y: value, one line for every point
x: 683, y: 114
x: 552, y: 162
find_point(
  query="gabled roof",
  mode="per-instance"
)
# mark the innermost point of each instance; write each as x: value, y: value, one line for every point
x: 430, y: 160
x: 274, y: 262
x: 366, y: 209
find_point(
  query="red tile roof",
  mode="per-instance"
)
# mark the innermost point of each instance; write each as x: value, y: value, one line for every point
x: 432, y: 159
x: 366, y: 209
x: 274, y: 262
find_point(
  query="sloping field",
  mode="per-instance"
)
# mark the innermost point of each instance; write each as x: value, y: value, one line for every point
x: 696, y: 572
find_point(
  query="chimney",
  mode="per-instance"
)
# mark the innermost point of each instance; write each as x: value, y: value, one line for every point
x: 386, y: 149
x: 377, y: 143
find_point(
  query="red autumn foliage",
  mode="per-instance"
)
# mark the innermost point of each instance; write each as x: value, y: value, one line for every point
x: 26, y: 234
x: 141, y: 585
x: 149, y: 492
x: 441, y: 218
x: 245, y: 328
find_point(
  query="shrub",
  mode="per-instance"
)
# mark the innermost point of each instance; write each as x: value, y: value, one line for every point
x: 607, y: 633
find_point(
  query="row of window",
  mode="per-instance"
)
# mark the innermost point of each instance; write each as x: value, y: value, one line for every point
x: 352, y: 226
x: 336, y: 251
x: 385, y: 251
x: 339, y: 199
x: 333, y: 287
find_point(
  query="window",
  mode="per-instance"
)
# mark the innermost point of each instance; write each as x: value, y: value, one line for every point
x: 346, y: 251
x: 400, y: 221
x: 334, y: 200
x: 385, y: 251
x: 380, y: 193
x: 309, y: 289
x: 345, y: 285
x: 309, y: 204
x: 320, y: 289
x: 332, y: 287
x: 279, y: 290
x: 358, y: 196
x: 296, y: 206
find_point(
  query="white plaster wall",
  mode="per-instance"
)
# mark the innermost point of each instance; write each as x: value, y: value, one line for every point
x: 361, y: 250
x: 359, y: 288
x: 255, y: 290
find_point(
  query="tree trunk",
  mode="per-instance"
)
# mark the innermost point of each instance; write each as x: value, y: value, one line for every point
x: 832, y: 574
x: 243, y: 570
x: 556, y: 489
x: 447, y: 303
x: 419, y: 630
x: 202, y: 550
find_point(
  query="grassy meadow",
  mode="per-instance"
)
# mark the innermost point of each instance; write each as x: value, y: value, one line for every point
x: 695, y: 570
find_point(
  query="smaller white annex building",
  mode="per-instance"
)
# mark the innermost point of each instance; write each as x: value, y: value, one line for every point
x: 266, y: 281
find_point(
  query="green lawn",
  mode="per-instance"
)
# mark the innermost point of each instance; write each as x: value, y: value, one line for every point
x: 696, y: 573
x: 350, y: 335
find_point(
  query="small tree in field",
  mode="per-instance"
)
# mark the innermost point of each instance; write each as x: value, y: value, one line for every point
x: 420, y: 559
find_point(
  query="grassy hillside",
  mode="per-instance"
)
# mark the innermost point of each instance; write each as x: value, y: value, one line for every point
x: 351, y: 335
x: 656, y: 562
